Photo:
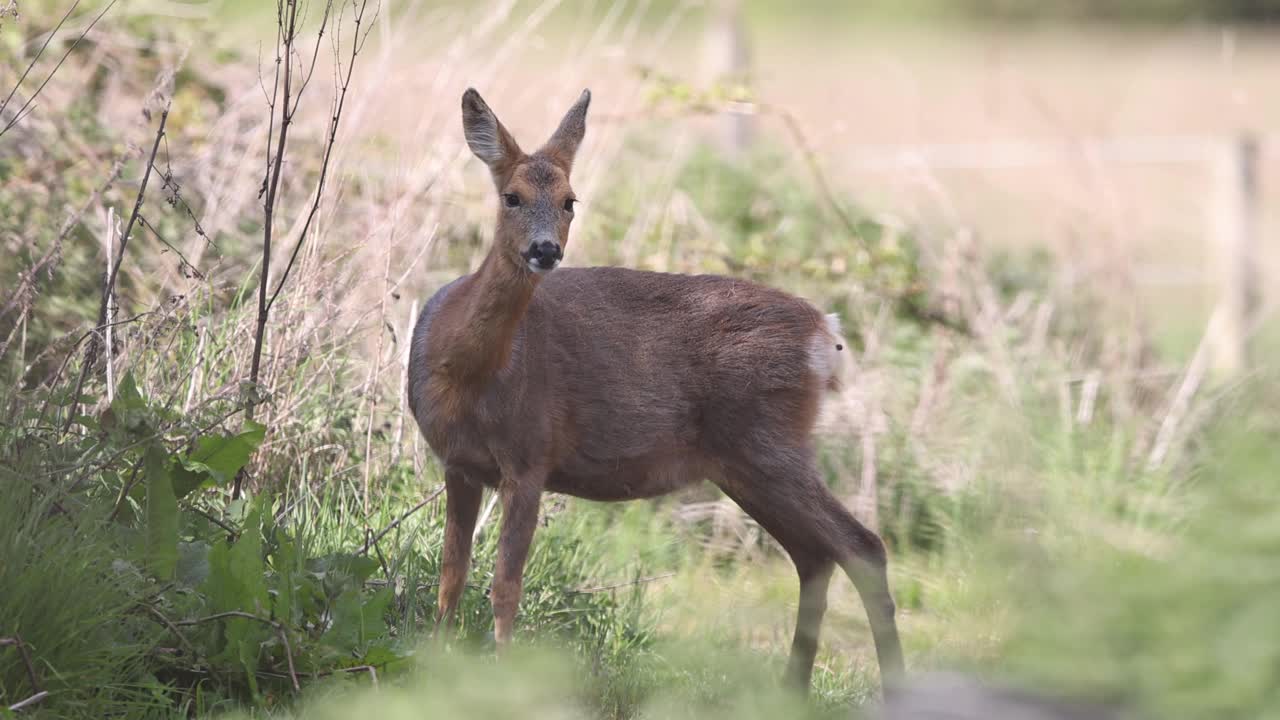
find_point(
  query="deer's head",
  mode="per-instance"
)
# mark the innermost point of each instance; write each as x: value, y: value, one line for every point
x: 535, y: 201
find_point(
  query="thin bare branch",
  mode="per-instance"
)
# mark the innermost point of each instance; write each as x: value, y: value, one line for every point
x: 38, y: 697
x: 285, y: 100
x: 108, y: 287
x: 315, y: 54
x: 183, y: 262
x: 39, y: 53
x: 232, y: 533
x: 396, y: 523
x: 286, y: 33
x: 155, y: 612
x: 280, y: 629
x: 331, y: 141
x: 17, y: 642
x: 617, y: 586
x: 23, y: 111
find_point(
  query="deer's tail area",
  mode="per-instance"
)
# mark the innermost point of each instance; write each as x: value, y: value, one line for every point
x: 826, y: 353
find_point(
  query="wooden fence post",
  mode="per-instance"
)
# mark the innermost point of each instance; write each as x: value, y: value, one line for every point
x: 1234, y: 246
x: 727, y: 63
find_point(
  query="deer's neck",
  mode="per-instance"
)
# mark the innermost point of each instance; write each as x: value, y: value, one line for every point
x: 494, y: 303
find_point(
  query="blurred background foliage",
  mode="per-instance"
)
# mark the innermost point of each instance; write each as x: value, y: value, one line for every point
x: 1164, y: 11
x: 1073, y: 506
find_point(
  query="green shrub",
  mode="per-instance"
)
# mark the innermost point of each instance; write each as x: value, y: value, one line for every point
x: 1183, y: 625
x: 68, y: 593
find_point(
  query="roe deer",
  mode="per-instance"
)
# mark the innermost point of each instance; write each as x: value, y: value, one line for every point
x: 613, y: 384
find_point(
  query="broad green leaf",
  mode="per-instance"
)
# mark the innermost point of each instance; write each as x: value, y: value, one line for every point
x: 237, y: 511
x: 128, y: 411
x: 247, y: 568
x: 362, y: 567
x: 382, y: 654
x: 217, y: 458
x: 127, y: 396
x: 357, y: 620
x: 373, y: 615
x: 162, y: 515
x: 237, y: 581
x: 285, y: 562
x: 344, y: 631
x: 342, y: 571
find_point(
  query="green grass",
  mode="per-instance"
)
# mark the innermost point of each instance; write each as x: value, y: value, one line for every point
x: 70, y: 598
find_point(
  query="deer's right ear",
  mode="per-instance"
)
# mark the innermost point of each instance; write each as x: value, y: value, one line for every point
x: 487, y: 138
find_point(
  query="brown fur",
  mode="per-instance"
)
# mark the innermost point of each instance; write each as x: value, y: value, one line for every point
x: 612, y: 384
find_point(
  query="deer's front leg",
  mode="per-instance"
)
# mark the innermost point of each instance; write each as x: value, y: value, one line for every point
x: 462, y: 505
x: 520, y: 499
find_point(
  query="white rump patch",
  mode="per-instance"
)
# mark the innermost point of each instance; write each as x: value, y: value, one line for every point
x: 826, y: 350
x: 831, y: 359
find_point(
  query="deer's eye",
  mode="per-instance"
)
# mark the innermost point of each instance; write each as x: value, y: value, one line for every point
x: 568, y: 204
x: 511, y: 200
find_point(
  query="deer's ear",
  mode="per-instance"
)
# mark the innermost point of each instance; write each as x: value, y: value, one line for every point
x: 488, y: 139
x: 563, y: 145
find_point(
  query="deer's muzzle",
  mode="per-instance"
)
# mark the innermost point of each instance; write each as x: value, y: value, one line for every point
x: 543, y: 256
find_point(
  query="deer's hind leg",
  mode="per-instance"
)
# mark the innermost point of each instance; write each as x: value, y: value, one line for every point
x: 782, y: 490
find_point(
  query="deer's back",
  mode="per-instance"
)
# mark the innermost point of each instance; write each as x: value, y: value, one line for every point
x: 680, y: 368
x: 706, y: 338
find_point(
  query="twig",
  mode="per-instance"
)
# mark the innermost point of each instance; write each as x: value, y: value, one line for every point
x: 286, y: 37
x: 44, y: 408
x: 29, y: 701
x: 375, y: 369
x: 431, y: 586
x: 183, y: 262
x: 137, y: 203
x: 171, y: 627
x: 869, y: 494
x: 125, y: 490
x: 632, y: 583
x: 39, y: 53
x: 328, y: 153
x: 373, y: 672
x: 288, y: 654
x: 396, y: 523
x: 286, y: 24
x: 91, y: 355
x: 18, y: 299
x: 175, y: 196
x: 1182, y: 398
x: 223, y: 616
x: 23, y: 111
x: 484, y: 517
x: 17, y: 642
x: 1191, y: 381
x: 1088, y: 397
x: 195, y: 369
x: 133, y: 446
x: 232, y: 533
x: 278, y: 627
x: 403, y: 353
x: 111, y: 245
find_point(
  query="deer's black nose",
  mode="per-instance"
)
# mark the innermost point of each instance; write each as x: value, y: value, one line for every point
x: 545, y: 254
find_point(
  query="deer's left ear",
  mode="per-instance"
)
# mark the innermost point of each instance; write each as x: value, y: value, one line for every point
x: 563, y: 145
